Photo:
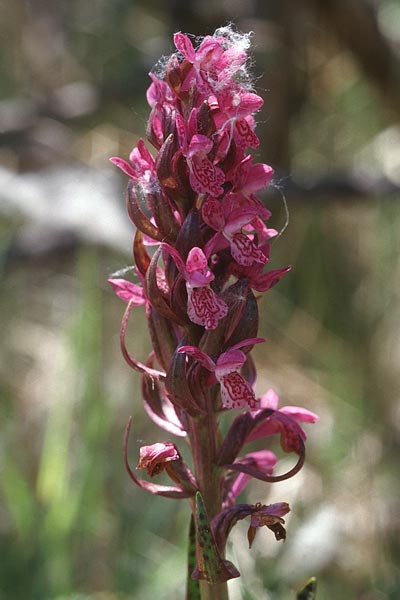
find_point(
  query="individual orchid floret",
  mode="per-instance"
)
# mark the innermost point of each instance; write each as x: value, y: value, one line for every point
x: 213, y: 63
x: 271, y: 400
x: 269, y: 516
x: 232, y: 113
x: 156, y: 457
x: 165, y: 455
x: 204, y: 306
x: 228, y: 220
x: 256, y: 277
x: 248, y: 178
x: 141, y: 166
x: 261, y: 515
x: 204, y: 176
x: 284, y: 421
x: 181, y: 490
x: 236, y: 392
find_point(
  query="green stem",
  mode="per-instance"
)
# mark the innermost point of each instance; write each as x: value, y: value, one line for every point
x: 213, y: 591
x: 203, y: 440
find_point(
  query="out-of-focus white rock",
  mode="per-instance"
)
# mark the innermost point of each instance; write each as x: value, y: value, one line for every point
x: 81, y: 201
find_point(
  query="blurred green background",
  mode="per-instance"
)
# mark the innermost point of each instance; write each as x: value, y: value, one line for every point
x: 73, y: 78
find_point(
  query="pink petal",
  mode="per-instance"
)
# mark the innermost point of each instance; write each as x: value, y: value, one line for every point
x: 258, y: 177
x: 199, y: 278
x: 232, y: 59
x: 292, y: 434
x: 229, y: 361
x: 251, y: 178
x: 160, y: 490
x: 215, y: 244
x: 124, y: 166
x: 196, y: 260
x: 141, y: 157
x: 128, y: 291
x: 247, y: 342
x: 199, y: 355
x: 209, y: 51
x: 269, y: 400
x: 300, y: 414
x: 200, y: 144
x: 223, y: 143
x: 185, y: 46
x: 267, y: 280
x: 249, y: 103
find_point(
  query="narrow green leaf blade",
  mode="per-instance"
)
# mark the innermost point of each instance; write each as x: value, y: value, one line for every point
x: 309, y: 591
x: 210, y: 564
x: 192, y: 585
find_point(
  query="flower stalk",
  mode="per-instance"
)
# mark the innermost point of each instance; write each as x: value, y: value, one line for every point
x: 201, y: 250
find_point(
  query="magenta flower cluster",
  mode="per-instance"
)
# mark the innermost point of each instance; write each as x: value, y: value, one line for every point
x: 201, y: 250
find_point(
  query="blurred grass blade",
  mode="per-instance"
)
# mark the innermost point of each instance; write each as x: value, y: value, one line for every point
x: 18, y: 499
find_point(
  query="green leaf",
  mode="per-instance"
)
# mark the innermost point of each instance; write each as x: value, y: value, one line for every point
x: 309, y: 591
x: 192, y: 585
x: 210, y: 564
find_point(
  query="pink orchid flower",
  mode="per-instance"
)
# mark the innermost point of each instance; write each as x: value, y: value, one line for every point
x: 236, y: 392
x: 248, y: 178
x: 204, y: 306
x: 258, y: 279
x: 154, y: 458
x: 212, y: 64
x: 232, y: 112
x: 141, y: 166
x: 205, y: 178
x: 229, y: 219
x: 161, y: 99
x: 285, y: 420
x: 269, y: 516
